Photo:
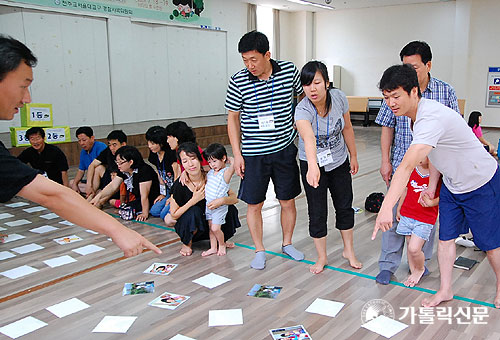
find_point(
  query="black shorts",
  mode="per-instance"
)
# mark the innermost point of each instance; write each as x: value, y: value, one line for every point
x: 280, y: 166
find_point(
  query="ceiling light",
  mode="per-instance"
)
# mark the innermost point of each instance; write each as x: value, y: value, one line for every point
x: 310, y: 3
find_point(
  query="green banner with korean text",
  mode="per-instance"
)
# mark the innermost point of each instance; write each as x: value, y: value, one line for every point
x: 192, y: 12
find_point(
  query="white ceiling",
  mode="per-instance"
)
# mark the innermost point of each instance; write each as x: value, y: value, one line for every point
x: 335, y: 4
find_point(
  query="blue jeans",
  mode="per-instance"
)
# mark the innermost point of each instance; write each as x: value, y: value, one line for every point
x: 159, y: 209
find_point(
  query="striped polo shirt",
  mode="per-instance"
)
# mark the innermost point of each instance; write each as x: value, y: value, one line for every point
x: 253, y: 97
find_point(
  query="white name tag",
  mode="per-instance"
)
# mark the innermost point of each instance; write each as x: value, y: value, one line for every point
x: 163, y: 190
x: 325, y: 157
x: 266, y: 122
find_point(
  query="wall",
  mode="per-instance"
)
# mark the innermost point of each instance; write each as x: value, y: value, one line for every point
x: 297, y: 37
x: 111, y: 72
x: 463, y: 35
x: 484, y: 51
x: 367, y: 41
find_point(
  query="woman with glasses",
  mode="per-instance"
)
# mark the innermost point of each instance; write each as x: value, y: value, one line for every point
x: 141, y: 182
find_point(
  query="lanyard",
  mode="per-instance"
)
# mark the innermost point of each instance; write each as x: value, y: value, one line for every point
x: 257, y: 99
x: 162, y: 172
x: 317, y: 127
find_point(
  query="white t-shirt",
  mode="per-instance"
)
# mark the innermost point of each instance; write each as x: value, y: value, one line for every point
x: 456, y: 153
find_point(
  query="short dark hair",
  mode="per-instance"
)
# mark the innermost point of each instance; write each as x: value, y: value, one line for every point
x: 35, y: 130
x: 191, y: 149
x: 417, y: 47
x: 396, y: 76
x: 474, y: 119
x: 215, y: 151
x: 86, y: 130
x: 12, y: 53
x: 158, y: 135
x: 181, y: 131
x: 253, y: 41
x: 130, y: 153
x: 118, y: 135
x: 308, y: 73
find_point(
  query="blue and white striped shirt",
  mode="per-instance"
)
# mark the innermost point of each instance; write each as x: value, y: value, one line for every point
x: 437, y: 90
x: 251, y: 96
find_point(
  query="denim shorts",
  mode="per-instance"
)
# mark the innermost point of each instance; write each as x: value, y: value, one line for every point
x: 408, y: 226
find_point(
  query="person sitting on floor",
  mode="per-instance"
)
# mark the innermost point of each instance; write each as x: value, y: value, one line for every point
x: 47, y: 158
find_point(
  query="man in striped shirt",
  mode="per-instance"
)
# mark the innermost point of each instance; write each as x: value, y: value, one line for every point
x: 396, y: 132
x: 260, y: 127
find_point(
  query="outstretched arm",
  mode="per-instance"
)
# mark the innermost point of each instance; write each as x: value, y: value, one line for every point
x: 71, y: 206
x: 415, y: 154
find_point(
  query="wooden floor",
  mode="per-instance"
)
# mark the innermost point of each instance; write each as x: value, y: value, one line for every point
x: 97, y: 279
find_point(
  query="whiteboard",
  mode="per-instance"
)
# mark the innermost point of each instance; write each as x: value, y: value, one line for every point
x: 105, y: 71
x: 73, y: 69
x: 164, y: 72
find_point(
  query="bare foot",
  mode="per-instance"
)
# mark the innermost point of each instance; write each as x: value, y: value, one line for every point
x: 497, y: 300
x: 209, y: 252
x: 437, y: 298
x: 186, y: 250
x: 229, y: 244
x: 222, y: 250
x: 414, y: 278
x: 353, y: 261
x: 318, y: 266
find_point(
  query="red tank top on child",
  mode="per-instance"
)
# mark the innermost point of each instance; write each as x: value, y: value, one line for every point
x: 411, y: 208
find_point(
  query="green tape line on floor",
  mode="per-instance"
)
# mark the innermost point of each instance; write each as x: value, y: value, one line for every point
x: 346, y: 271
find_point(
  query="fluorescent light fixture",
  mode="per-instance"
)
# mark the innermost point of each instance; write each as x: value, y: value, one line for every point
x: 310, y: 3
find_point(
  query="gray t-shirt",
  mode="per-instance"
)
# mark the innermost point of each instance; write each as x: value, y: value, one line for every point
x: 457, y: 153
x: 334, y: 122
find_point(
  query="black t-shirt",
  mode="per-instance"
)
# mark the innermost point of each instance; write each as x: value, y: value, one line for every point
x: 14, y: 174
x: 164, y: 167
x: 107, y: 159
x: 144, y: 173
x: 50, y: 161
x: 182, y: 194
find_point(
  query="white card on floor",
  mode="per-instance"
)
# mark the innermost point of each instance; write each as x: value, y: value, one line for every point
x: 6, y: 255
x: 16, y: 205
x: 5, y: 215
x: 27, y: 248
x: 13, y: 237
x: 17, y: 223
x: 22, y: 327
x: 114, y: 324
x: 49, y: 216
x: 325, y: 307
x: 59, y: 261
x: 34, y: 209
x: 19, y: 272
x: 91, y: 248
x: 225, y: 317
x: 67, y: 307
x: 1, y: 229
x: 384, y: 326
x: 66, y: 223
x: 91, y: 232
x: 211, y: 280
x: 181, y: 337
x: 68, y: 239
x: 43, y: 229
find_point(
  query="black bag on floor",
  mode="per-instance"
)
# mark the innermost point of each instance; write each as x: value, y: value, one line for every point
x: 374, y: 201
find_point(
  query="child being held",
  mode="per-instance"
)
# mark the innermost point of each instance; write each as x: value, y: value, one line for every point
x: 217, y: 187
x: 416, y: 221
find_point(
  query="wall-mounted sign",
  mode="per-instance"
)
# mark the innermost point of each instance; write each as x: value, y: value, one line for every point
x: 191, y: 12
x: 493, y: 90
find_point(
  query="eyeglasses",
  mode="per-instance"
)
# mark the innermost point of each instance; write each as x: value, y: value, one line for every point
x: 120, y: 162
